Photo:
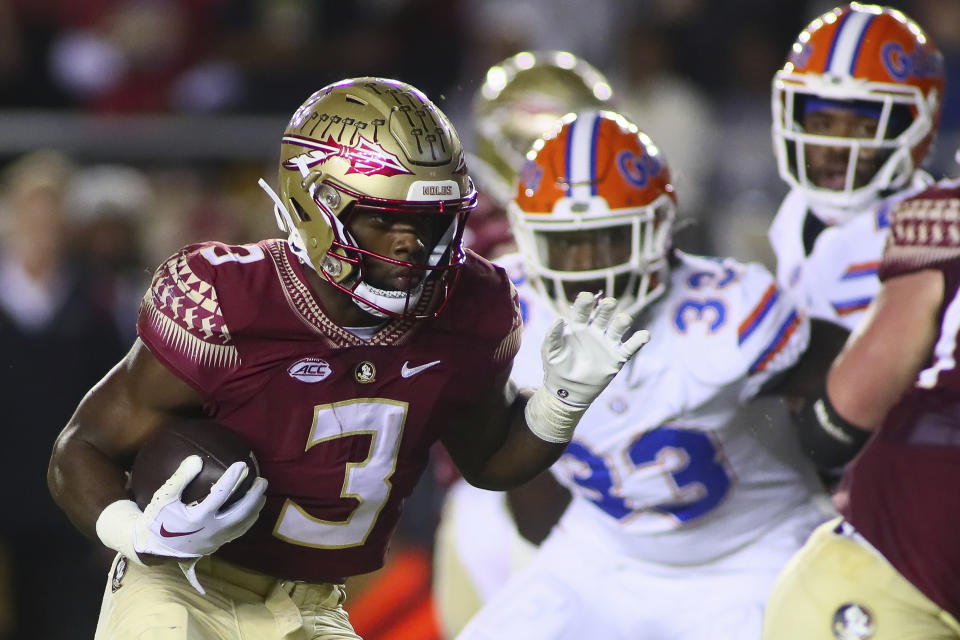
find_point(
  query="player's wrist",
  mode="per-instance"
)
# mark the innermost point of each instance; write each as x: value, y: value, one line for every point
x: 550, y: 418
x: 116, y: 527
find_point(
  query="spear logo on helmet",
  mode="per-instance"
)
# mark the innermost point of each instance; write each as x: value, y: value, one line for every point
x: 365, y: 157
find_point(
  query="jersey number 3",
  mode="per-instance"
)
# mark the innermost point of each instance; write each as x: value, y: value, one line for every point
x: 367, y: 481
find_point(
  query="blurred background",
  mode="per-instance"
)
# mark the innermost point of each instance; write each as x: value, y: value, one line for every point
x: 129, y: 128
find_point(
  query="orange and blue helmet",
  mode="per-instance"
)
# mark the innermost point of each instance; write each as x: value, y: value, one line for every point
x: 595, y: 180
x: 875, y: 61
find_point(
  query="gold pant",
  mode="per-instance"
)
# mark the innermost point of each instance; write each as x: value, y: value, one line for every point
x: 157, y: 603
x: 838, y: 587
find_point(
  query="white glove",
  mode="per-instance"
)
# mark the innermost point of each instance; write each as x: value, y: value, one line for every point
x: 580, y: 358
x: 168, y: 527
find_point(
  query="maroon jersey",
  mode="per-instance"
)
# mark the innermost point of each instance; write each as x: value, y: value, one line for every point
x: 341, y: 426
x: 904, y: 487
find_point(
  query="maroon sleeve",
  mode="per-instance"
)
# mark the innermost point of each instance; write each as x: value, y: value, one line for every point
x: 182, y: 323
x: 924, y: 232
x: 484, y: 328
x: 493, y: 317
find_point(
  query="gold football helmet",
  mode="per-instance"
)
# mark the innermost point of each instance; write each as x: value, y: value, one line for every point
x: 521, y: 98
x: 372, y: 143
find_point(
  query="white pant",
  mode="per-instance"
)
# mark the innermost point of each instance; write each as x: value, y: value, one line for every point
x: 477, y: 549
x: 576, y: 588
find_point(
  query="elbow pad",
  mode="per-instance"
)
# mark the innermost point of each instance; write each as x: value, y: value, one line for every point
x: 826, y: 437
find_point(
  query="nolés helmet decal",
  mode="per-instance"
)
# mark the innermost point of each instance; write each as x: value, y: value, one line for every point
x: 373, y: 144
x: 593, y: 210
x: 870, y: 61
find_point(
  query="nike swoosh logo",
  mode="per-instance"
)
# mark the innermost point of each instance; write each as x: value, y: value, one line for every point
x: 406, y: 370
x: 174, y: 534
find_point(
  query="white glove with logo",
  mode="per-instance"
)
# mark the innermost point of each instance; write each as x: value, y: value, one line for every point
x: 580, y: 358
x: 168, y: 527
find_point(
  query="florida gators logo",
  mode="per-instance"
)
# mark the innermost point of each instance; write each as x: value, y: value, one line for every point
x: 637, y: 169
x: 918, y: 63
x: 800, y: 55
x: 365, y: 157
x: 530, y: 175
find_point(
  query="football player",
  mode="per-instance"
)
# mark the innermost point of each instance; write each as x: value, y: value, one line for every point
x: 682, y: 513
x: 477, y: 545
x: 342, y: 354
x: 855, y: 110
x: 888, y: 569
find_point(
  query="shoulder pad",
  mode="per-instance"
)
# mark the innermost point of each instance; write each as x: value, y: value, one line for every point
x: 740, y: 322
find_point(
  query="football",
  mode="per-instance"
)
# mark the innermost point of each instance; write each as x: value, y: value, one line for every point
x: 217, y: 445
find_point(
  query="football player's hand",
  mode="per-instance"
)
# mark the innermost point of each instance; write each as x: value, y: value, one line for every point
x: 170, y: 528
x: 580, y: 358
x: 583, y: 354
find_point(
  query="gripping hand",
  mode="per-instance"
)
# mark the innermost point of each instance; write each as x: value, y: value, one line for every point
x: 580, y: 358
x: 168, y: 527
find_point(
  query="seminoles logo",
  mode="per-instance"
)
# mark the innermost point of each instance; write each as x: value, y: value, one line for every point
x: 365, y: 157
x: 309, y: 370
x: 853, y: 621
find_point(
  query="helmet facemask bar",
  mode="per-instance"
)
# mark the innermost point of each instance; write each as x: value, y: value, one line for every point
x: 894, y: 143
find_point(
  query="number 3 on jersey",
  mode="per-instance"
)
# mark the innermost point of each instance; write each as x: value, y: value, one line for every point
x: 367, y: 481
x: 690, y: 463
x: 247, y: 253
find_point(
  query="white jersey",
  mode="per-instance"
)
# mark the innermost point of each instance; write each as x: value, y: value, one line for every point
x: 838, y: 278
x: 660, y: 467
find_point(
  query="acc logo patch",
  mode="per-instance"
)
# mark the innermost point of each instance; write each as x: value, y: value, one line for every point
x: 118, y: 572
x: 365, y: 372
x: 310, y: 370
x: 853, y: 622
